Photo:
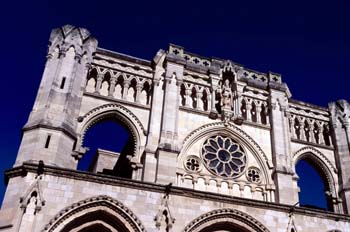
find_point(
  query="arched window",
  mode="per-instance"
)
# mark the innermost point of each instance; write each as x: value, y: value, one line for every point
x: 110, y: 148
x: 313, y: 184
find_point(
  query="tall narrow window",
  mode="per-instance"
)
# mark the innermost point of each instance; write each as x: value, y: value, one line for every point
x: 47, y: 141
x: 63, y: 82
x: 314, y: 188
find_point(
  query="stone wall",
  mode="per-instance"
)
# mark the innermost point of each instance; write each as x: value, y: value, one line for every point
x: 60, y: 192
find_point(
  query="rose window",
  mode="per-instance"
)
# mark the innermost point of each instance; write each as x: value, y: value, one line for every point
x: 223, y: 156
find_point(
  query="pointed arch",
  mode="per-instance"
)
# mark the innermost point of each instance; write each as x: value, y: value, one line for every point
x: 322, y: 164
x: 120, y: 113
x: 225, y: 219
x: 33, y: 188
x: 229, y: 129
x: 101, y: 211
x: 317, y: 155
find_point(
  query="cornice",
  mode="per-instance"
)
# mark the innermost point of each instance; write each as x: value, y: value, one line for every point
x: 178, y: 191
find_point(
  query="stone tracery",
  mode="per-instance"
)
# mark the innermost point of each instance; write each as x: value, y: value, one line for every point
x: 119, y: 85
x: 223, y: 156
x: 173, y: 94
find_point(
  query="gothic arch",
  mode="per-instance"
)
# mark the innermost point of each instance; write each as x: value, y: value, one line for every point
x: 225, y: 219
x: 321, y: 162
x: 102, y: 211
x: 120, y: 113
x: 229, y: 129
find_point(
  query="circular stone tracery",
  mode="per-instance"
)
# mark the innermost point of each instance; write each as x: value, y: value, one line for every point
x: 223, y: 156
x: 192, y: 163
x: 254, y: 175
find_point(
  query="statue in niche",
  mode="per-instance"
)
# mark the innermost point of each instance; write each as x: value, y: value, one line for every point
x: 226, y: 95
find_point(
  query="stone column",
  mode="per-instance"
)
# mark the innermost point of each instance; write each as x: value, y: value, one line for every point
x: 199, y: 96
x: 214, y: 77
x: 302, y: 130
x: 238, y: 97
x: 258, y: 111
x: 213, y: 99
x: 139, y: 87
x: 292, y: 127
x: 312, y: 133
x: 320, y: 135
x: 266, y: 112
x: 99, y: 83
x: 249, y: 110
x: 209, y: 103
x: 112, y: 86
x: 125, y: 89
x: 188, y: 97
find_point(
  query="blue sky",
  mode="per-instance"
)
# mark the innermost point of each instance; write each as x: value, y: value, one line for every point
x: 306, y: 41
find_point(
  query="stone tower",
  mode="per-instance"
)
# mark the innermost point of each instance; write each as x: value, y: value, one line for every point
x: 53, y: 120
x: 213, y: 146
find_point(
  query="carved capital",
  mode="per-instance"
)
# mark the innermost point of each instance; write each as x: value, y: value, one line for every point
x: 139, y: 86
x: 113, y: 80
x: 100, y: 76
x: 199, y: 94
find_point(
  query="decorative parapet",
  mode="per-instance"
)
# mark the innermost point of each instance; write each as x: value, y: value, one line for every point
x: 189, y: 58
x: 205, y: 64
x: 309, y: 123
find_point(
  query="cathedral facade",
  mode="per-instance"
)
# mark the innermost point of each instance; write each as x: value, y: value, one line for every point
x: 213, y: 146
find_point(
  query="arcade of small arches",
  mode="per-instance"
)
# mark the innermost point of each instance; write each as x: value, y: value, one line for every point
x: 198, y: 97
x: 119, y: 85
x: 310, y: 130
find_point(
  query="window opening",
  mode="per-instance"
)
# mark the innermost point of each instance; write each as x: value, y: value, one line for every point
x: 47, y: 143
x: 314, y: 189
x: 63, y: 82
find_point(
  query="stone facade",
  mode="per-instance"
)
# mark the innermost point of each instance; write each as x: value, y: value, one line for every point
x: 213, y: 147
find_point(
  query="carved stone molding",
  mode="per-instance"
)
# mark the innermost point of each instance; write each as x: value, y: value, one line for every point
x: 123, y: 114
x: 227, y: 217
x: 235, y: 130
x: 320, y: 155
x: 322, y: 163
x: 121, y: 212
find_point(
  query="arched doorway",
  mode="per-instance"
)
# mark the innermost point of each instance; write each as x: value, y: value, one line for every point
x: 315, y: 191
x: 225, y: 220
x: 224, y: 227
x: 100, y: 213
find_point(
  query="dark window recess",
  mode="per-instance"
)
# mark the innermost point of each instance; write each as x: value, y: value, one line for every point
x: 48, y: 141
x: 63, y: 82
